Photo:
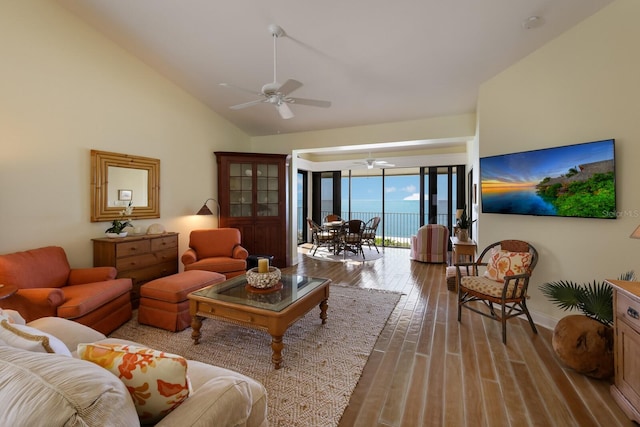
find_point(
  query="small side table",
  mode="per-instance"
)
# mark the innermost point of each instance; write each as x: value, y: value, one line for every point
x: 462, y: 248
x: 7, y: 290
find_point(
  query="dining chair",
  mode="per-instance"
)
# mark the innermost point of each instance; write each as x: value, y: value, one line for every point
x: 369, y: 233
x: 320, y: 236
x: 332, y: 218
x: 499, y: 276
x: 351, y: 237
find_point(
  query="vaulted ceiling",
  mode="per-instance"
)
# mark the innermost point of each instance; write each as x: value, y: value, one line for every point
x: 376, y: 61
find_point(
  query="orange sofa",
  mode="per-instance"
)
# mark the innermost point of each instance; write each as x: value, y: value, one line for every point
x: 48, y: 286
x: 216, y: 250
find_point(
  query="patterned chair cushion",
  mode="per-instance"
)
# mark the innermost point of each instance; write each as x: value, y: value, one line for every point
x: 157, y: 381
x: 488, y: 287
x: 504, y: 263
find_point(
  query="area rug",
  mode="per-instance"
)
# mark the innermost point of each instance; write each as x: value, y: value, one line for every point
x: 325, y: 254
x: 321, y: 363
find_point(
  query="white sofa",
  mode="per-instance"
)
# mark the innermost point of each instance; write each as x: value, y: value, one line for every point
x: 40, y: 388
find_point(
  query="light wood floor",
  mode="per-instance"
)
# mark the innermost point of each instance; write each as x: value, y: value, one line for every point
x: 429, y: 370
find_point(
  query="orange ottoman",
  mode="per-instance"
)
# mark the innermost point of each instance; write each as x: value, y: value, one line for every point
x: 164, y: 303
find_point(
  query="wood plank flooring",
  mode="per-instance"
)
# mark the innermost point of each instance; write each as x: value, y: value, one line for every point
x: 429, y: 370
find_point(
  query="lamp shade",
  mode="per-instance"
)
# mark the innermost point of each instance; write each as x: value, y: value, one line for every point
x: 204, y: 210
x: 636, y: 233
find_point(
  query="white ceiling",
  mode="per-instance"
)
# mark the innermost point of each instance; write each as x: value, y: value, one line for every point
x: 375, y: 60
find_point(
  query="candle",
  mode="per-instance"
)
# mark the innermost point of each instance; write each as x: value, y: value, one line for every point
x: 263, y: 265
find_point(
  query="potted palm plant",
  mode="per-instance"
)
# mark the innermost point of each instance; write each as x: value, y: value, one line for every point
x: 463, y: 225
x: 585, y: 342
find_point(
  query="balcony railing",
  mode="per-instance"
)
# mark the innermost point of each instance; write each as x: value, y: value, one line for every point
x: 395, y: 229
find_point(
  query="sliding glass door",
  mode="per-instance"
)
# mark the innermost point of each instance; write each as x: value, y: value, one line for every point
x: 404, y: 198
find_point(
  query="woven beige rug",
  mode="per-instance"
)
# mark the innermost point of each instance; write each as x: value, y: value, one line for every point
x: 324, y: 254
x: 321, y: 363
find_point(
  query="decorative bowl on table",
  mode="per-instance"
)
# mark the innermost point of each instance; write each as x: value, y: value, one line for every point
x: 263, y: 280
x: 114, y: 235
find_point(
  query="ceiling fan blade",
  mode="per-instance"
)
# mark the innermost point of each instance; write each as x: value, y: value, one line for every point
x: 247, y: 104
x: 284, y: 110
x: 311, y: 102
x: 289, y: 86
x: 241, y: 89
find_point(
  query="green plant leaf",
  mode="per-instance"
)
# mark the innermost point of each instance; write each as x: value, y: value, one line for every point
x: 629, y: 276
x: 597, y: 302
x: 594, y: 300
x: 566, y: 295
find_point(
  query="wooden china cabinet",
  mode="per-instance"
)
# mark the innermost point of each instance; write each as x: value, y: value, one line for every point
x: 253, y: 197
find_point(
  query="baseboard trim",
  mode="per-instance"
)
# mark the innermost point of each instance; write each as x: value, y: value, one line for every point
x: 544, y: 320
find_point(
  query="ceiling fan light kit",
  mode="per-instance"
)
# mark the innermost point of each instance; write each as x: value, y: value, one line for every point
x: 274, y: 93
x: 371, y: 163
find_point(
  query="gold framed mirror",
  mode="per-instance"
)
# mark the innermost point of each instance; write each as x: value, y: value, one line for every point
x: 118, y: 180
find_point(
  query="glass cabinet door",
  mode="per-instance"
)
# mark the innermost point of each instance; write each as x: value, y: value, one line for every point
x: 267, y: 189
x: 240, y: 189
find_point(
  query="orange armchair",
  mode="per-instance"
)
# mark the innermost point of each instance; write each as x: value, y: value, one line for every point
x: 218, y: 250
x: 48, y: 286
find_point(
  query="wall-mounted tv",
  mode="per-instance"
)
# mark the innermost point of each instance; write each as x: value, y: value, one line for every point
x: 571, y: 181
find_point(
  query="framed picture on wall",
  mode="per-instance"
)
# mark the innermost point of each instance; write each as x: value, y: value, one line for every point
x: 125, y: 195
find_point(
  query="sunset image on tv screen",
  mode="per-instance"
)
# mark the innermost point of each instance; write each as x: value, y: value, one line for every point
x: 573, y: 181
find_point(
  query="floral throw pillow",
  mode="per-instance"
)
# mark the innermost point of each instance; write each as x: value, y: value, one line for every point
x: 157, y: 381
x: 504, y: 263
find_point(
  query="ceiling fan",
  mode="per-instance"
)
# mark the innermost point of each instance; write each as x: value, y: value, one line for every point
x: 274, y: 93
x: 371, y: 163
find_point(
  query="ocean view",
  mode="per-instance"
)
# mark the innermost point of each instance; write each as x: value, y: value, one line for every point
x: 401, y: 197
x: 401, y: 219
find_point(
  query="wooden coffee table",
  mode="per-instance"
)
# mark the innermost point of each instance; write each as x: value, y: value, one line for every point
x: 274, y: 311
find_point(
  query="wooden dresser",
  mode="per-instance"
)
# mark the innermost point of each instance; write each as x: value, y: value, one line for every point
x: 141, y: 258
x: 626, y: 307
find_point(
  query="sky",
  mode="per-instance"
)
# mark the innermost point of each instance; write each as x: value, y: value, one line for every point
x: 397, y: 187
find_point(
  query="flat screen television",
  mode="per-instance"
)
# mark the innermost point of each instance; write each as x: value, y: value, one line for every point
x: 570, y: 181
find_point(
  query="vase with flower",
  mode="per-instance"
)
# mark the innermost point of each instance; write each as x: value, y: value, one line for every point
x: 118, y: 225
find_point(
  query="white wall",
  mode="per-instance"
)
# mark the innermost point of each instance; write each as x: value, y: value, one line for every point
x: 438, y: 128
x: 581, y: 87
x: 430, y: 128
x: 64, y: 90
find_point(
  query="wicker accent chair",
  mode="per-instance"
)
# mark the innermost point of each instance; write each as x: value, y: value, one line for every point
x: 369, y: 233
x: 430, y: 244
x: 506, y: 268
x: 320, y: 236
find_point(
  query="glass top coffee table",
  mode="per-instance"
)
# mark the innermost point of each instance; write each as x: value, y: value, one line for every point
x: 273, y: 310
